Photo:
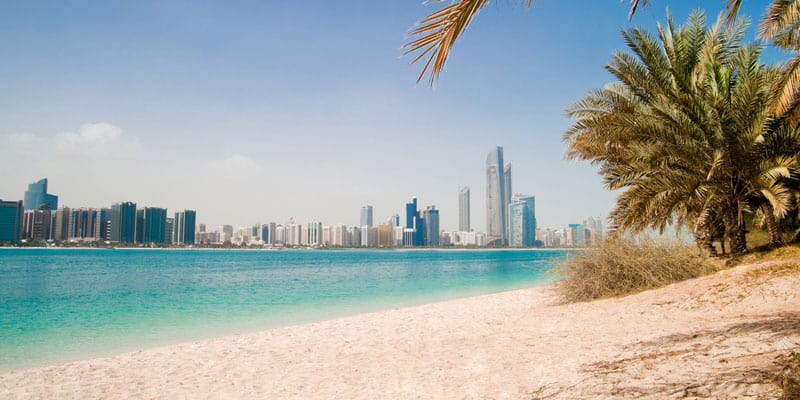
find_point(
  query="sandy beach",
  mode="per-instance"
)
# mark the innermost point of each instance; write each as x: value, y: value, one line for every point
x: 712, y: 337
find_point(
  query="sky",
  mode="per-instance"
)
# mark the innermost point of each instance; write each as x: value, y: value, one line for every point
x: 261, y: 111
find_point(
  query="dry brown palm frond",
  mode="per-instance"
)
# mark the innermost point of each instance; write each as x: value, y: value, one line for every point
x: 786, y: 89
x: 781, y: 14
x: 731, y: 7
x: 437, y: 33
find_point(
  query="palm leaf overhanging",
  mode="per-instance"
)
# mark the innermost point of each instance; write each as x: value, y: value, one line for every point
x: 435, y: 35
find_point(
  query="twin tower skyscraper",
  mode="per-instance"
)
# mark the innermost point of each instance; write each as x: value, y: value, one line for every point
x: 498, y: 196
x: 510, y: 219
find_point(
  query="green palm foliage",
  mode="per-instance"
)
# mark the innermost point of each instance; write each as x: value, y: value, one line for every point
x: 685, y: 131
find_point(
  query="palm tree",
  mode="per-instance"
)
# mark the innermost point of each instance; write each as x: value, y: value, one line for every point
x: 685, y: 132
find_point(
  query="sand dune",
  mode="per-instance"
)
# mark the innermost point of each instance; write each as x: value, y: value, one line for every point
x: 713, y: 337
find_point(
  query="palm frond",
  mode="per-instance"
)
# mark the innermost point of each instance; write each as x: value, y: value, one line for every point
x: 437, y: 33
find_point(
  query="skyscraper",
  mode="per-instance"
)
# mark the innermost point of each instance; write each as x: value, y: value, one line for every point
x: 463, y: 209
x: 495, y: 198
x: 184, y: 227
x: 366, y: 216
x: 431, y: 218
x: 123, y: 222
x: 507, y: 192
x: 411, y: 212
x: 11, y: 214
x: 36, y: 225
x: 522, y: 221
x: 37, y: 198
x: 154, y: 229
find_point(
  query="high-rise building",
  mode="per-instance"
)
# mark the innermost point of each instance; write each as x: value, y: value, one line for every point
x: 386, y: 234
x: 495, y: 198
x: 522, y: 221
x: 61, y: 225
x: 576, y: 235
x: 37, y: 198
x: 11, y: 215
x: 507, y: 191
x: 414, y: 222
x: 123, y: 222
x: 366, y: 216
x: 463, y: 209
x: 139, y: 236
x: 154, y: 225
x: 314, y: 234
x: 169, y: 233
x: 431, y: 218
x: 395, y: 220
x: 36, y: 225
x: 184, y: 230
x: 411, y: 213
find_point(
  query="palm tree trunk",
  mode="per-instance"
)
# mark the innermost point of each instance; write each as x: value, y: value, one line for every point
x: 734, y: 229
x: 702, y: 236
x: 772, y: 225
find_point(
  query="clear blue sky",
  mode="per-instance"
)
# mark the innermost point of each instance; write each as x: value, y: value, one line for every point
x: 257, y: 111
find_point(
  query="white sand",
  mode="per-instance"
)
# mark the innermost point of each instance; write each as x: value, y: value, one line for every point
x: 713, y: 337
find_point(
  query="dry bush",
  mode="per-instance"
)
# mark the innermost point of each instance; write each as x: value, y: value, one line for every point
x: 789, y: 377
x: 623, y: 266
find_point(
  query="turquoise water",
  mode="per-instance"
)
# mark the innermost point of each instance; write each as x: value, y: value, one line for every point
x: 59, y: 305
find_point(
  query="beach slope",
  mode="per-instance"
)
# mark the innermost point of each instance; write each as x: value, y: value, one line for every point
x: 713, y: 337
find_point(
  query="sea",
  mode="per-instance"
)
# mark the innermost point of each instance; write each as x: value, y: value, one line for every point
x: 59, y: 305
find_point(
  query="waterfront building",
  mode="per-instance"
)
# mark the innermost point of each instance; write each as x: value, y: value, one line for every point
x: 201, y: 228
x: 431, y: 226
x: 339, y: 236
x: 522, y: 221
x: 354, y: 236
x: 11, y: 215
x: 463, y: 209
x: 594, y: 226
x: 154, y: 225
x: 496, y: 203
x: 184, y: 227
x: 507, y: 191
x: 366, y: 216
x: 61, y: 225
x: 123, y: 222
x: 36, y: 225
x: 327, y: 235
x: 139, y: 236
x: 408, y: 237
x: 314, y: 234
x: 395, y: 220
x: 169, y: 233
x: 369, y: 236
x: 386, y: 235
x: 577, y: 235
x: 37, y: 198
x: 397, y: 233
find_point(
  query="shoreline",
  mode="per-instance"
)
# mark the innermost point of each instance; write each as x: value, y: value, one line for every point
x: 365, y: 249
x: 713, y: 336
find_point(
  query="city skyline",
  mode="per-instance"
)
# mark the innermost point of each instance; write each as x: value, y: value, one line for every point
x: 216, y: 109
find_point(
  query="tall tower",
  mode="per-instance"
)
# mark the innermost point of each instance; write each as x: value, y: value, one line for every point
x: 463, y: 209
x: 11, y: 215
x: 495, y: 198
x: 37, y: 198
x: 431, y: 218
x: 507, y: 192
x: 123, y: 222
x: 366, y: 216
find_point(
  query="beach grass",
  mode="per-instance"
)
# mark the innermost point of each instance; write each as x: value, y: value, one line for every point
x: 624, y: 266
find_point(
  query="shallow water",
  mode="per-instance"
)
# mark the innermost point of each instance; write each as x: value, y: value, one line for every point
x: 64, y: 304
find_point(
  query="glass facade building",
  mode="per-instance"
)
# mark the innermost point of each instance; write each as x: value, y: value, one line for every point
x: 495, y: 198
x: 463, y: 210
x: 123, y: 222
x: 37, y: 198
x: 11, y: 215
